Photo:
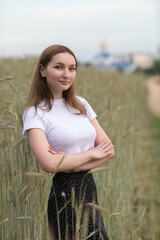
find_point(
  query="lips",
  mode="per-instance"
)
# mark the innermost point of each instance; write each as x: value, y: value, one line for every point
x: 64, y: 82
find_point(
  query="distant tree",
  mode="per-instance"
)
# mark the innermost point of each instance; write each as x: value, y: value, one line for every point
x: 88, y: 64
x: 156, y: 67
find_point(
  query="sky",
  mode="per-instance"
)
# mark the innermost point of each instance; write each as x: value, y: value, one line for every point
x: 28, y: 27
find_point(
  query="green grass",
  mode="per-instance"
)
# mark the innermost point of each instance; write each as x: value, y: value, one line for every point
x: 128, y: 191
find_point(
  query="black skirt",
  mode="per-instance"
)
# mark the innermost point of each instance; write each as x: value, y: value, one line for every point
x: 72, y: 214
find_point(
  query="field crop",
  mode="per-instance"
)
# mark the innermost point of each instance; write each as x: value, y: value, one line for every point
x: 128, y: 185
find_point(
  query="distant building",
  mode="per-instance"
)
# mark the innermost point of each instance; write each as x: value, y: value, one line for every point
x: 105, y: 60
x: 142, y: 61
x: 127, y: 62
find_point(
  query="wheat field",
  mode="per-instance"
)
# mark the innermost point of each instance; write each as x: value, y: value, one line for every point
x: 128, y: 185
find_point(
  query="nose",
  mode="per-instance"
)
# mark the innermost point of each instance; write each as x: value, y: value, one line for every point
x: 66, y: 73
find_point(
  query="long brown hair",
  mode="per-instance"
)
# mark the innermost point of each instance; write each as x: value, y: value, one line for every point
x: 40, y: 91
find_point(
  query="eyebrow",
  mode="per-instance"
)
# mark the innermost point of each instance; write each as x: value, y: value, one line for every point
x: 63, y: 64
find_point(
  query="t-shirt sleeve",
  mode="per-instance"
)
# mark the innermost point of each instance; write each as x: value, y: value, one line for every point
x: 32, y: 119
x: 90, y: 112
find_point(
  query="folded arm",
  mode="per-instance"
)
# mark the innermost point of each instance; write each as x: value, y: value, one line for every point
x: 100, y: 137
x: 72, y: 161
x: 92, y: 163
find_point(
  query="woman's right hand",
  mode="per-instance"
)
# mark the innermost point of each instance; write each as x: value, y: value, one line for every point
x: 102, y: 150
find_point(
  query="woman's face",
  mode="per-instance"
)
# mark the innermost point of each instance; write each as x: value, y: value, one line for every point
x: 60, y: 73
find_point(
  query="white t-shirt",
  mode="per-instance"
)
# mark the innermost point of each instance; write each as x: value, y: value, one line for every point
x: 65, y: 131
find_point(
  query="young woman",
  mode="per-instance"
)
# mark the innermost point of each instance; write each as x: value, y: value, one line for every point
x: 66, y: 138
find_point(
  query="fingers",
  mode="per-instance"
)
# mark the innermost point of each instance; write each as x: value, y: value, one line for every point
x: 110, y: 153
x: 52, y: 151
x: 108, y: 148
x: 104, y: 144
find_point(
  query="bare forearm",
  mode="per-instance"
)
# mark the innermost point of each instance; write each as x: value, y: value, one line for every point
x: 96, y: 163
x: 68, y: 162
x: 61, y: 162
x: 86, y: 160
x: 90, y: 165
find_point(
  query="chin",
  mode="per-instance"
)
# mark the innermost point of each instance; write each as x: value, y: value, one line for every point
x: 66, y: 87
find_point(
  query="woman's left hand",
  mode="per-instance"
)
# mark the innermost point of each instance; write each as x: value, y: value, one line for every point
x: 52, y: 151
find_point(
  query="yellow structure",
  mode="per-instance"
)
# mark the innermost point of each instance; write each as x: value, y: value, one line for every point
x: 104, y: 44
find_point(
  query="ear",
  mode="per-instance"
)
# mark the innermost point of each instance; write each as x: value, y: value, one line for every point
x: 42, y: 70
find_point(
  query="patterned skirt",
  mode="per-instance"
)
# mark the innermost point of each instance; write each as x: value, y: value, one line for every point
x: 72, y: 212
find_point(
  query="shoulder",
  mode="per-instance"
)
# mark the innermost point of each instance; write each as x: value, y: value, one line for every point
x: 29, y: 111
x: 34, y: 119
x: 90, y: 112
x: 82, y: 100
x: 32, y: 111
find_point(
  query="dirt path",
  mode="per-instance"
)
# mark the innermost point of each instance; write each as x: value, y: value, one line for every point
x: 153, y: 86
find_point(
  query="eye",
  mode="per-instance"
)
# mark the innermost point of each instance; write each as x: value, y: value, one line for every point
x: 58, y: 67
x: 72, y: 69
